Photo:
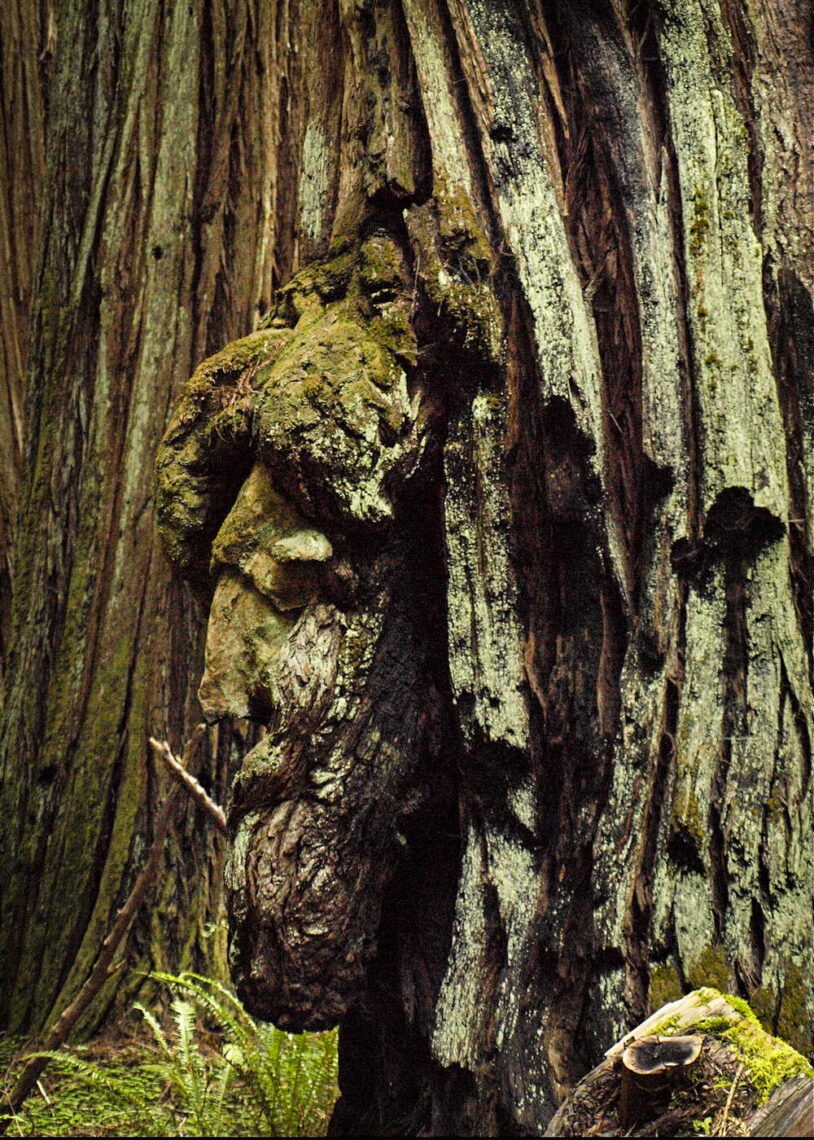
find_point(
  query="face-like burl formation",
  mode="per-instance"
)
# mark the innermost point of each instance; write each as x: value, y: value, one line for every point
x: 284, y: 491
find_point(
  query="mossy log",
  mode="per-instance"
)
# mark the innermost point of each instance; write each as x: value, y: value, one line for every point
x: 743, y: 1082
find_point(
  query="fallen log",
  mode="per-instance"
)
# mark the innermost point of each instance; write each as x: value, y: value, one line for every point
x: 702, y: 1064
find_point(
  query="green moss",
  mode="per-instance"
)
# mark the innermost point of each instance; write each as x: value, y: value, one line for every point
x: 713, y: 1026
x: 459, y: 226
x: 322, y: 281
x: 379, y: 265
x: 793, y: 1020
x: 454, y: 267
x: 742, y: 1007
x: 764, y: 1002
x: 768, y: 1060
x: 665, y: 986
x: 687, y: 819
x: 710, y: 969
x: 666, y: 1027
x: 699, y: 227
x: 785, y: 1010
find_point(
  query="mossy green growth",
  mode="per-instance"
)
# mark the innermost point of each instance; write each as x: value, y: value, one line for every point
x: 667, y: 1027
x: 784, y: 1009
x: 379, y: 265
x: 793, y: 1020
x: 319, y: 282
x: 705, y: 995
x: 764, y: 1004
x: 454, y: 265
x: 699, y: 227
x: 665, y: 986
x: 688, y: 821
x: 710, y: 969
x: 714, y: 1026
x: 768, y: 1060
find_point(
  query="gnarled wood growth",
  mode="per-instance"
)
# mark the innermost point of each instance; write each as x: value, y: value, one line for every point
x: 582, y: 517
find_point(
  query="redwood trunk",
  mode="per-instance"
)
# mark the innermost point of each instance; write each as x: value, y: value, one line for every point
x: 607, y: 211
x: 156, y: 223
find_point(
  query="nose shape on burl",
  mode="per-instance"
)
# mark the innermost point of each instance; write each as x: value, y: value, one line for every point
x: 270, y: 563
x: 244, y: 639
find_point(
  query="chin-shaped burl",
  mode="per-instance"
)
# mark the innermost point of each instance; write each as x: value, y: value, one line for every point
x: 304, y: 886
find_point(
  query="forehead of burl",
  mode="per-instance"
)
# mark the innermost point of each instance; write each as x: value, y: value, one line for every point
x: 327, y: 403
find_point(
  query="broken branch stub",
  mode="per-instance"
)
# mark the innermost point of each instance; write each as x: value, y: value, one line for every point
x: 651, y: 1068
x: 177, y: 768
x: 703, y: 1057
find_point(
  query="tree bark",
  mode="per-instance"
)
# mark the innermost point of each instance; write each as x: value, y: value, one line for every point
x: 605, y: 210
x: 156, y: 237
x: 25, y: 63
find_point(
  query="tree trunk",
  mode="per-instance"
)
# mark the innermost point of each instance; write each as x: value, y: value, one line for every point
x: 588, y: 774
x: 157, y: 222
x: 25, y: 55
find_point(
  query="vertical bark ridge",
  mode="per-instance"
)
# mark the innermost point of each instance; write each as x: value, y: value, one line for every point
x: 23, y: 79
x: 167, y: 251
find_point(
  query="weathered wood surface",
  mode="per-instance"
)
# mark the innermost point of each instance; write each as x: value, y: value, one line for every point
x: 789, y: 1111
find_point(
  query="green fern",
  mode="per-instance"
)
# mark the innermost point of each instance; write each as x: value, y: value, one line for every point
x: 290, y: 1079
x: 212, y: 1071
x: 124, y: 1103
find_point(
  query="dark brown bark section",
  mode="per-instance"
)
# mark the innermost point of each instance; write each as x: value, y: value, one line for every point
x: 26, y: 50
x: 155, y: 243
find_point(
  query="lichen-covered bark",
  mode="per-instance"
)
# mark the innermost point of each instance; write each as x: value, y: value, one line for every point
x: 610, y: 247
x: 598, y: 567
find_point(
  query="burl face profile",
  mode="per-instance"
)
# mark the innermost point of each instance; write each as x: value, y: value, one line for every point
x: 286, y: 492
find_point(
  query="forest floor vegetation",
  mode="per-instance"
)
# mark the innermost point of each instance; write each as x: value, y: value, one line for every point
x: 199, y: 1067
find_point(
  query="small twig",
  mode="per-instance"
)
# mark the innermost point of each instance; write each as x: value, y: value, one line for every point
x: 102, y: 967
x: 162, y: 749
x: 721, y: 1127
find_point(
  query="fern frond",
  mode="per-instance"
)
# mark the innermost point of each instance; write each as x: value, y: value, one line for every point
x: 250, y: 1079
x: 155, y: 1029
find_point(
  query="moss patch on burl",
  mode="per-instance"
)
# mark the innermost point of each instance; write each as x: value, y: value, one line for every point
x: 327, y: 397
